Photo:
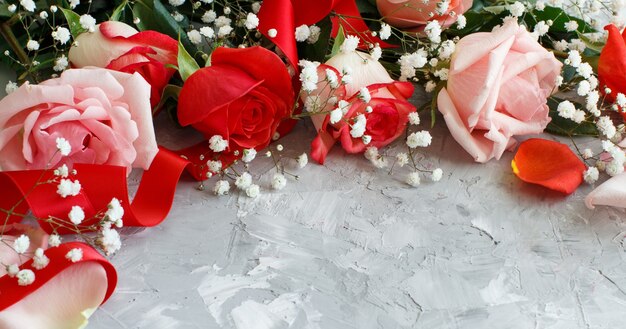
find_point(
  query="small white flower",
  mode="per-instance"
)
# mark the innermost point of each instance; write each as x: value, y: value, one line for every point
x: 63, y: 146
x: 74, y: 255
x: 252, y: 21
x: 253, y: 191
x: 573, y: 58
x: 402, y: 159
x: 62, y: 35
x: 217, y: 143
x: 516, y: 9
x: 316, y: 31
x: 25, y: 277
x: 54, y: 8
x: 614, y: 168
x: 256, y: 7
x: 61, y: 63
x: 433, y: 31
x: 376, y: 53
x: 447, y: 49
x: 419, y: 139
x: 224, y: 31
x: 357, y: 129
x: 222, y: 187
x: 561, y: 45
x: 414, y: 118
x: 208, y: 32
x: 585, y: 70
x: 541, y: 28
x: 88, y: 23
x: 350, y: 44
x: 332, y: 79
x: 74, y: 3
x: 40, y: 260
x: 591, y: 175
x: 385, y: 31
x: 308, y: 75
x: 587, y: 154
x: 29, y: 5
x: 606, y: 127
x: 413, y: 179
x: 12, y: 270
x: 115, y: 211
x: 436, y: 175
x: 62, y: 171
x: 67, y: 188
x: 54, y: 240
x: 12, y: 8
x: 366, y: 139
x: 540, y: 5
x: 32, y: 45
x: 566, y: 109
x: 76, y: 215
x: 302, y: 33
x: 110, y: 241
x: 43, y: 15
x: 584, y: 87
x: 336, y: 115
x: 620, y: 100
x: 303, y: 160
x: 278, y: 181
x: 222, y: 21
x: 248, y: 155
x: 571, y: 26
x: 244, y: 181
x: 21, y: 244
x: 364, y: 95
x: 272, y: 33
x: 461, y: 22
x: 176, y: 3
x: 10, y: 87
x: 194, y: 36
x: 209, y: 17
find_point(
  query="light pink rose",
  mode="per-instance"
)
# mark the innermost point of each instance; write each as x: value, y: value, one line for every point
x: 497, y: 88
x: 105, y: 116
x: 118, y: 46
x: 414, y: 14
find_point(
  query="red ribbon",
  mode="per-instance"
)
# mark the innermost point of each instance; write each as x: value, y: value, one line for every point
x: 11, y: 292
x: 100, y: 183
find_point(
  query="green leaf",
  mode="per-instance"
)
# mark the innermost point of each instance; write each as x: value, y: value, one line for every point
x: 433, y: 103
x: 4, y: 11
x: 566, y: 127
x: 339, y: 39
x: 186, y: 64
x: 593, y: 45
x: 73, y: 20
x: 117, y: 13
x: 496, y: 10
x: 559, y: 18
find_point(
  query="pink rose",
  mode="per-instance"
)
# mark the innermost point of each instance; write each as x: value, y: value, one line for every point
x: 414, y: 14
x: 105, y: 116
x: 117, y: 46
x: 497, y: 88
x: 385, y: 114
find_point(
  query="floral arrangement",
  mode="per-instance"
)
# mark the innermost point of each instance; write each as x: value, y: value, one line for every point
x: 92, y: 75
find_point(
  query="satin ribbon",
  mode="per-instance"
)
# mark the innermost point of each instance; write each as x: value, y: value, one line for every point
x: 285, y: 15
x: 100, y: 183
x: 11, y: 293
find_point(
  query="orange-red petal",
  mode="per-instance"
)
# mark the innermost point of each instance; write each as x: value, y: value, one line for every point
x: 549, y: 164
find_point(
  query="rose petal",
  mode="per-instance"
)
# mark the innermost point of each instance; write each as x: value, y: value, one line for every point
x: 610, y: 193
x: 549, y: 164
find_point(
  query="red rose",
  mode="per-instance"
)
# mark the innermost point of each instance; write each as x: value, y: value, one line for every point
x: 612, y: 63
x: 242, y: 97
x: 117, y: 46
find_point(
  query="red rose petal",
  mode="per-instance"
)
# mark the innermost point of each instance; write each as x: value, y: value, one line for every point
x: 612, y: 63
x: 549, y: 164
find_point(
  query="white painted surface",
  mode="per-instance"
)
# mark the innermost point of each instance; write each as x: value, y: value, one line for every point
x: 349, y: 246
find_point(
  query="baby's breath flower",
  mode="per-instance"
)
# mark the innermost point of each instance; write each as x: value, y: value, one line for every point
x: 244, y: 181
x: 54, y: 240
x: 67, y: 188
x: 303, y: 160
x: 76, y: 215
x: 436, y: 175
x: 40, y: 260
x: 25, y: 277
x: 74, y: 255
x: 591, y: 175
x: 222, y: 187
x: 21, y: 244
x: 419, y: 139
x: 217, y: 143
x: 278, y: 181
x: 253, y: 191
x: 413, y: 179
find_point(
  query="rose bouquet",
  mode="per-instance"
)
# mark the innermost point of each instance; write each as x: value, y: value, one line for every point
x: 92, y: 75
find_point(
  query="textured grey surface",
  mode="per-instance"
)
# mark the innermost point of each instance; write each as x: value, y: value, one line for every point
x: 349, y: 246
